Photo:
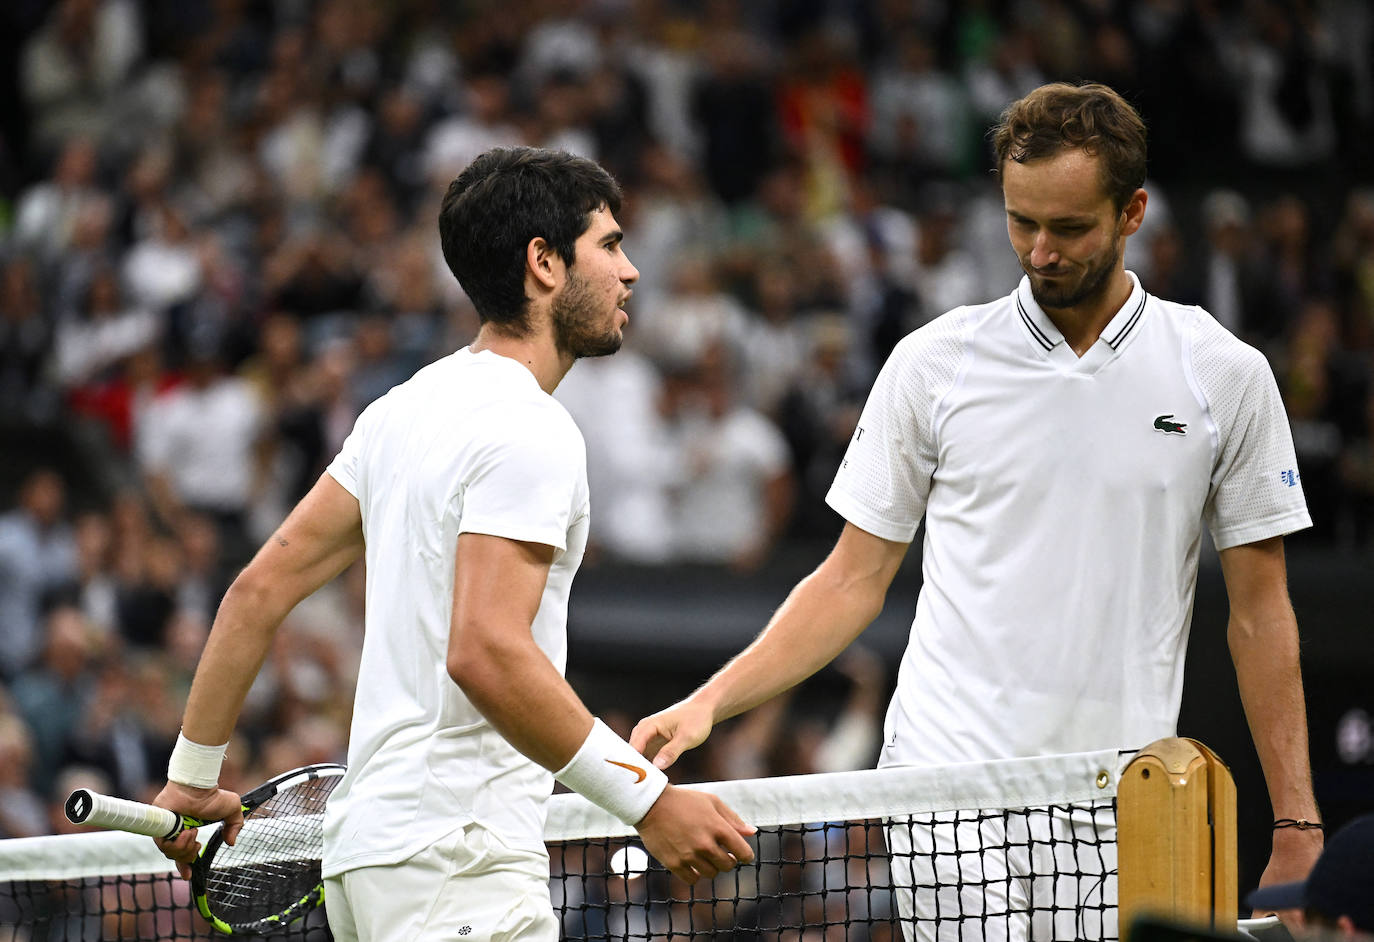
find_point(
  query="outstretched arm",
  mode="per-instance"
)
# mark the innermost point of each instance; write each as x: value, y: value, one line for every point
x: 821, y: 616
x: 1263, y: 636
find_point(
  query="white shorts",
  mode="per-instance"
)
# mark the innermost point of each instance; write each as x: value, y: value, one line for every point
x: 1021, y: 876
x: 466, y: 887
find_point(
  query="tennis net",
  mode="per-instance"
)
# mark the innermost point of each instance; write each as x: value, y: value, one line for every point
x: 1001, y: 850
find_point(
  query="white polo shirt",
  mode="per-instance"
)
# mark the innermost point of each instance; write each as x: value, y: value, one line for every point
x: 470, y: 444
x: 1064, y: 499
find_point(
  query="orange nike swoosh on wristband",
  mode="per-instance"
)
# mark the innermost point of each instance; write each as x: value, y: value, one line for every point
x: 633, y: 768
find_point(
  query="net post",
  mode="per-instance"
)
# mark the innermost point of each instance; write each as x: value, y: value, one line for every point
x: 1176, y: 827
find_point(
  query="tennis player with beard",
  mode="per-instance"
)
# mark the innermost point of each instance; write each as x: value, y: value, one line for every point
x: 465, y: 490
x: 1065, y: 446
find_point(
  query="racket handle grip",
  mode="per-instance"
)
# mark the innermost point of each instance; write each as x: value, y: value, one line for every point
x: 105, y: 811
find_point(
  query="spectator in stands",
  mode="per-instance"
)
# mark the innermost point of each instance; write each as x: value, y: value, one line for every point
x: 101, y: 332
x: 163, y: 269
x: 1278, y: 62
x: 696, y: 312
x: 73, y: 69
x: 944, y: 274
x: 920, y: 112
x: 52, y: 696
x: 775, y: 340
x: 26, y: 391
x: 1232, y: 279
x: 736, y: 496
x: 37, y: 555
x: 630, y: 460
x: 112, y: 736
x: 732, y: 104
x: 199, y: 450
x: 22, y: 813
x: 92, y: 589
x: 817, y: 416
x: 47, y: 213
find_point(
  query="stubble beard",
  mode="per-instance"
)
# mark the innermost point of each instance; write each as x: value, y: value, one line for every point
x: 1092, y: 285
x: 575, y: 319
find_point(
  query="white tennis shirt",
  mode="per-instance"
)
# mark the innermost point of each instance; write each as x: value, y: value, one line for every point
x: 1064, y: 499
x: 470, y: 444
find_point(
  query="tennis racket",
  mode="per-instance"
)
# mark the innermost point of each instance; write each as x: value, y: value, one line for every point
x: 270, y: 876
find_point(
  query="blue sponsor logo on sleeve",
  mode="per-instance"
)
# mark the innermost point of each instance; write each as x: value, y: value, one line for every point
x: 1290, y: 478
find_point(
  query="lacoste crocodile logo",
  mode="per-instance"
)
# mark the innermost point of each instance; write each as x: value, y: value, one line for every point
x: 633, y: 768
x: 1163, y: 424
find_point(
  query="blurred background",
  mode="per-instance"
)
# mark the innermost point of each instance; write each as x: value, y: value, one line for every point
x: 218, y: 244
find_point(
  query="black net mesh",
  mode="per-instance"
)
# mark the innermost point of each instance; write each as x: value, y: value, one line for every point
x: 1043, y: 873
x: 1039, y: 873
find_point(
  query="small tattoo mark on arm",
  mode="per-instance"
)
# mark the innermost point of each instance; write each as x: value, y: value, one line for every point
x: 281, y: 540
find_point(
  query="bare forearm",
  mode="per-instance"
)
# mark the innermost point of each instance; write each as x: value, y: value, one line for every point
x: 818, y: 620
x: 238, y: 644
x: 1265, y: 653
x: 525, y: 699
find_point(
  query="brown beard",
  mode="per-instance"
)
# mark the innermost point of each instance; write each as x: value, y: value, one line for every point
x: 573, y: 319
x: 1095, y: 282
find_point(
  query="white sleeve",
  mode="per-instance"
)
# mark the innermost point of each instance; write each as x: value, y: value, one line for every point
x: 526, y: 482
x: 884, y: 480
x: 345, y: 467
x: 1256, y: 489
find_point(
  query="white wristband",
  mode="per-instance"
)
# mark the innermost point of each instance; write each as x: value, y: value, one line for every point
x: 195, y: 765
x: 608, y: 772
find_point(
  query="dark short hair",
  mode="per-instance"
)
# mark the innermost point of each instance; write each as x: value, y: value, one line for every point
x: 1059, y: 117
x: 502, y: 200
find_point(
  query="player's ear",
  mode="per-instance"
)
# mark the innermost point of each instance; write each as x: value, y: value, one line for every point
x: 1134, y: 212
x: 542, y: 262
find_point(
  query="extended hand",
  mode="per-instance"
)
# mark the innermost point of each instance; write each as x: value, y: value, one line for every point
x: 205, y: 804
x: 671, y: 732
x: 694, y: 834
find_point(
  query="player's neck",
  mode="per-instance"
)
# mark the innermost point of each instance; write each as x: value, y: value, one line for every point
x: 535, y: 351
x: 1083, y: 323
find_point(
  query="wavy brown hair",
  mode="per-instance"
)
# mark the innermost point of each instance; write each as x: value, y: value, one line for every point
x: 1093, y: 117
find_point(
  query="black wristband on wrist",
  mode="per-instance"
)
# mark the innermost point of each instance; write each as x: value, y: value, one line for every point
x: 1302, y: 824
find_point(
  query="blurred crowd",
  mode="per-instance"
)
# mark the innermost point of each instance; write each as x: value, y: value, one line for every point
x: 218, y: 244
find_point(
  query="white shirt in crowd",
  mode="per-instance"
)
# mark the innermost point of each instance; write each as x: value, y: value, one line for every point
x: 720, y: 508
x: 203, y: 438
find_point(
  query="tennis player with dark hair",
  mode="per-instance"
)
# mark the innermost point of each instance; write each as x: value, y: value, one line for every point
x: 465, y: 490
x: 1065, y: 446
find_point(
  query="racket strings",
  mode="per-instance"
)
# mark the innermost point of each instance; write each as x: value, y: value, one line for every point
x: 273, y: 868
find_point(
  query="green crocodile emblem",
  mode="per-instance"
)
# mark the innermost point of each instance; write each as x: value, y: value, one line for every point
x: 1163, y: 424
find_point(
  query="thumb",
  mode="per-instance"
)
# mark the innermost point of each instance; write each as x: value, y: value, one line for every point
x: 667, y: 755
x: 231, y: 830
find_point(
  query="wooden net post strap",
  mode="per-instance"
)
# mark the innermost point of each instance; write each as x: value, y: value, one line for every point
x: 1176, y: 832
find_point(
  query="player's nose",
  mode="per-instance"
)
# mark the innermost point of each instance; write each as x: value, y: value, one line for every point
x: 1043, y: 251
